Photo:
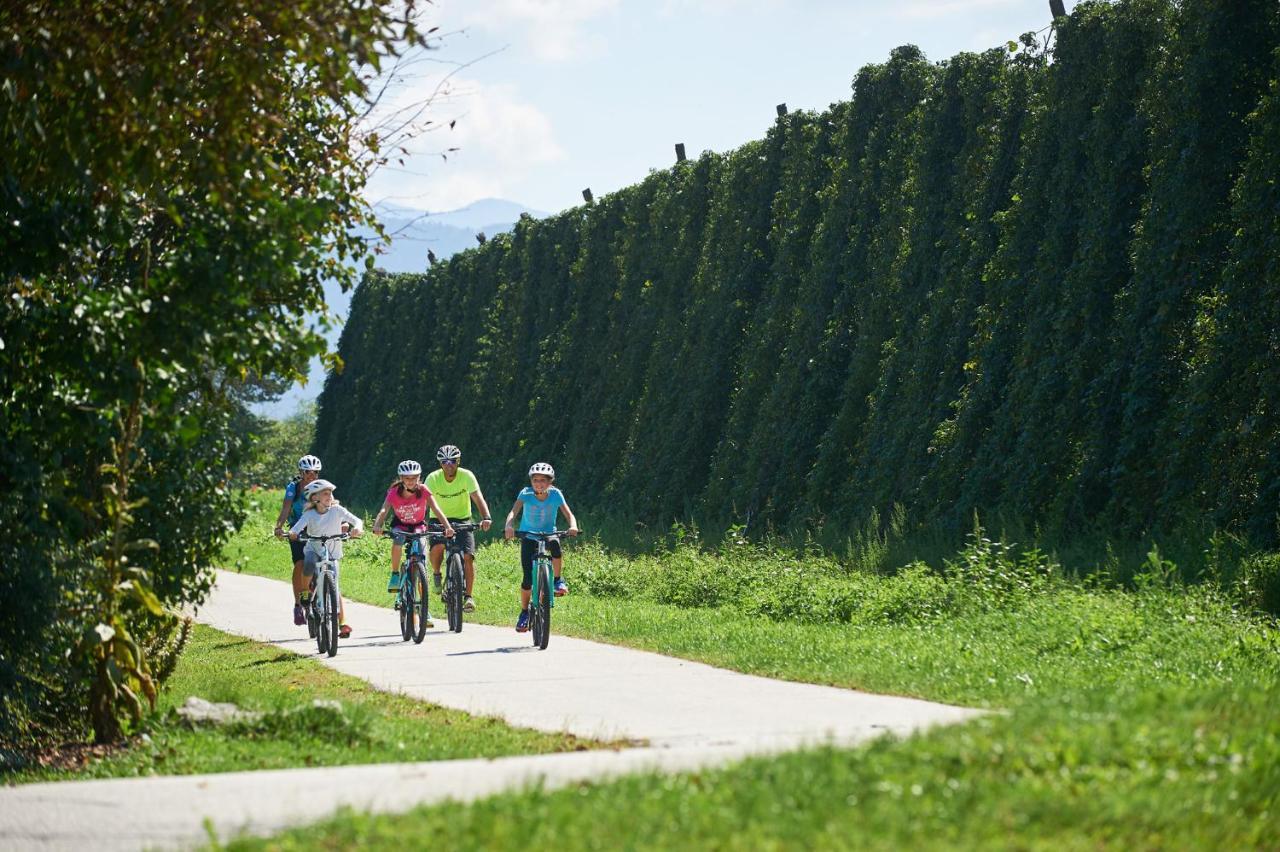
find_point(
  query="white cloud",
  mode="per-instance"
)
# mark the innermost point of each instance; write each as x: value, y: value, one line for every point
x: 500, y: 139
x: 553, y: 30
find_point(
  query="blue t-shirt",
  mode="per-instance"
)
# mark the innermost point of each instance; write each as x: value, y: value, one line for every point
x: 539, y: 515
x: 298, y: 500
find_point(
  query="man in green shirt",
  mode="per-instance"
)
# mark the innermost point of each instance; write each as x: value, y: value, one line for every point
x: 455, y: 489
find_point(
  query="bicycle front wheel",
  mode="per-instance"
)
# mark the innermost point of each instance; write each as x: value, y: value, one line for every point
x: 322, y: 616
x: 542, y: 606
x: 422, y: 593
x: 331, y: 617
x: 407, y: 603
x: 454, y: 589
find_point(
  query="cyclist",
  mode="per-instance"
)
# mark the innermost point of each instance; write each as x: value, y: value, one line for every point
x: 537, y: 505
x: 455, y: 489
x: 295, y: 502
x: 408, y: 501
x: 323, y: 516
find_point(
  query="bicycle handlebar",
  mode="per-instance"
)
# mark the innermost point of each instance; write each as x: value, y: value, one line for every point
x: 541, y: 535
x: 461, y: 526
x: 323, y: 538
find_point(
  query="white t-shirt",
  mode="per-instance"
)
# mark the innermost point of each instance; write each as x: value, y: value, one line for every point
x: 327, y: 523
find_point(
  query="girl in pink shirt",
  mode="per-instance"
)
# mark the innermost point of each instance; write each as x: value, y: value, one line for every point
x: 408, y: 501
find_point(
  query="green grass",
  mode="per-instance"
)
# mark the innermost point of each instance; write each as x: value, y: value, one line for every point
x: 1135, y: 718
x: 371, y: 727
x: 1205, y: 775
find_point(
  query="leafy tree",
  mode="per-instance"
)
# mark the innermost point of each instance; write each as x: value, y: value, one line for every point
x: 177, y: 181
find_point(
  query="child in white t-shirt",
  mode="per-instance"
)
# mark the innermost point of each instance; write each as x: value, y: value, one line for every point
x: 324, y: 517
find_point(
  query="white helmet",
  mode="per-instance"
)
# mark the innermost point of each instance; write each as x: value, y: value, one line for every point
x: 448, y: 453
x: 309, y: 463
x: 408, y: 467
x: 315, y: 487
x: 544, y: 469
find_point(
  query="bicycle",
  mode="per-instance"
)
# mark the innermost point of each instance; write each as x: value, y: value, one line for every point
x: 455, y: 586
x: 412, y: 598
x: 322, y: 610
x: 542, y: 593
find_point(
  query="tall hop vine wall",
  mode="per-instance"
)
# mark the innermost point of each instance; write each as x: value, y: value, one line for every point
x: 1043, y: 284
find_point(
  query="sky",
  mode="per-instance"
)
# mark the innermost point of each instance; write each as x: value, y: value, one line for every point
x: 548, y: 97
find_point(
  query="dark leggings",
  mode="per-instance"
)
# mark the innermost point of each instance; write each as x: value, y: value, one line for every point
x: 528, y: 550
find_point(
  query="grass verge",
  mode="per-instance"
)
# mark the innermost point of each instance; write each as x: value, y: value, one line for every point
x: 365, y: 726
x: 1135, y: 718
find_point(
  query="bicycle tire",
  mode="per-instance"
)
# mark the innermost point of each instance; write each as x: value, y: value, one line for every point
x: 545, y: 593
x: 406, y: 603
x: 535, y: 615
x: 454, y: 590
x: 422, y: 592
x: 322, y: 617
x: 331, y: 603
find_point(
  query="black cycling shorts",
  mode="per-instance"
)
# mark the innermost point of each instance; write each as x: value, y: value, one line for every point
x: 295, y: 547
x: 468, y: 538
x: 528, y: 550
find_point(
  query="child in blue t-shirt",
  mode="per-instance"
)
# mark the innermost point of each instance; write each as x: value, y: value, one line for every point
x: 538, y: 505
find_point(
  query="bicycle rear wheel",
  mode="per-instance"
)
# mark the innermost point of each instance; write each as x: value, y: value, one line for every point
x: 407, y: 603
x: 454, y: 589
x: 331, y: 616
x: 421, y: 593
x: 543, y: 606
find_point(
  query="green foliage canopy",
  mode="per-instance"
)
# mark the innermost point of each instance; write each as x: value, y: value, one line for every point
x: 176, y: 181
x: 1038, y: 281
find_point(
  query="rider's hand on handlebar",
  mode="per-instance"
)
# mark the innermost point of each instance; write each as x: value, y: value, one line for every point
x: 508, y: 532
x: 293, y: 536
x: 572, y: 531
x: 485, y: 524
x: 377, y: 531
x: 279, y: 532
x: 449, y: 531
x: 354, y: 533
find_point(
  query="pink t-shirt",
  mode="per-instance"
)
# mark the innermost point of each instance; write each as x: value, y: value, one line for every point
x: 410, y: 511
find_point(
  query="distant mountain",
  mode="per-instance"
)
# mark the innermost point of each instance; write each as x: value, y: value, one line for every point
x: 413, y: 233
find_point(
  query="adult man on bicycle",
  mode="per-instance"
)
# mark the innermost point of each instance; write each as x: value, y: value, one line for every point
x: 295, y: 502
x: 455, y: 489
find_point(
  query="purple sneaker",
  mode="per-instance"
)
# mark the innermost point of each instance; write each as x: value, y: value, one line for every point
x: 298, y: 617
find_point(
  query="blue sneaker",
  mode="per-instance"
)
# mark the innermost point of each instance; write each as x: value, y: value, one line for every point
x: 393, y: 582
x: 522, y: 623
x: 562, y: 588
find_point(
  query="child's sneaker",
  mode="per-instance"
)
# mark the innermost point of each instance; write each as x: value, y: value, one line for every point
x: 562, y: 588
x: 469, y: 605
x: 522, y: 623
x: 393, y: 582
x: 299, y: 618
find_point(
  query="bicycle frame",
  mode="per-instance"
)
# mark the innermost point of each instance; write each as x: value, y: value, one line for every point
x: 325, y: 576
x: 541, y: 589
x: 413, y: 569
x: 454, y: 555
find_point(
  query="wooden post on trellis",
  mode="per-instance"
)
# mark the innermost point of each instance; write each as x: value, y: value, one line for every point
x: 586, y: 195
x: 679, y: 152
x: 782, y: 110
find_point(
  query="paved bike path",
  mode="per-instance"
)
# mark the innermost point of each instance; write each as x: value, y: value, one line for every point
x: 685, y: 714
